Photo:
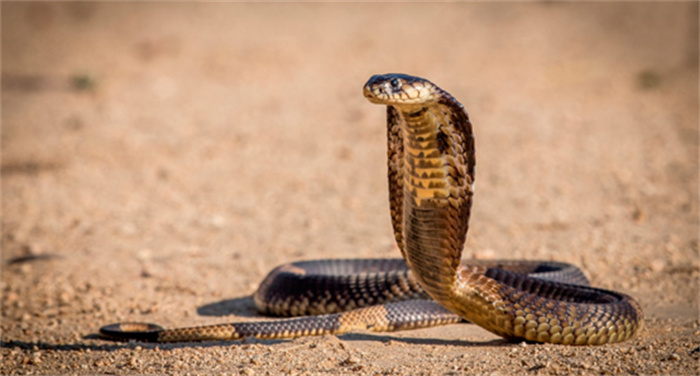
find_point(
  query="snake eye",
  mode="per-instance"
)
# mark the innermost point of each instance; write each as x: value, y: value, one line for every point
x: 394, y: 83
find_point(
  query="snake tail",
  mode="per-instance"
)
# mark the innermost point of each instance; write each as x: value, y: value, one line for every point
x: 389, y: 317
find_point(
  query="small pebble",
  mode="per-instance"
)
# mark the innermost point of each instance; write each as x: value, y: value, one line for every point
x: 11, y: 296
x: 218, y: 221
x: 657, y: 265
x: 350, y: 360
x: 36, y: 358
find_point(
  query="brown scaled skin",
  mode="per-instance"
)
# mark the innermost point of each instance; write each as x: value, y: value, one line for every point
x: 431, y: 169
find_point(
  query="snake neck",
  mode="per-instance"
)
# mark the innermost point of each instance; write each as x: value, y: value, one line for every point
x: 437, y: 189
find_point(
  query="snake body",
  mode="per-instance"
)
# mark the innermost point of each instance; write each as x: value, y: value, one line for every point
x: 431, y: 162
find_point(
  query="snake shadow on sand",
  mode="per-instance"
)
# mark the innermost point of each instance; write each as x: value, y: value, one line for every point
x: 243, y: 307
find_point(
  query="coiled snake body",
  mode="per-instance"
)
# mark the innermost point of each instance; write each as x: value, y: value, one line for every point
x: 431, y: 183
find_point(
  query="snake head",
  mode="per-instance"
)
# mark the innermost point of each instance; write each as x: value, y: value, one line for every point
x: 400, y: 89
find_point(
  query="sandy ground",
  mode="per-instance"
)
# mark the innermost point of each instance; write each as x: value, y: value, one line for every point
x: 159, y: 159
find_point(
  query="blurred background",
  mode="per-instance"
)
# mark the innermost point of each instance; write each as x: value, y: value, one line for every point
x: 198, y: 145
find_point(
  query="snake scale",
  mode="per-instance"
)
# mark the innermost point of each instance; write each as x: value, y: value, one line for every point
x: 431, y: 162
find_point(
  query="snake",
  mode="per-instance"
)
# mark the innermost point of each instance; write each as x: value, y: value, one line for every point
x: 431, y: 175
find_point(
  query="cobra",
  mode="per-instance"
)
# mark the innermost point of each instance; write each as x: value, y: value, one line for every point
x: 431, y: 171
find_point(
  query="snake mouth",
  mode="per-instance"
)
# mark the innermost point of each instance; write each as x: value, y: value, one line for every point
x: 369, y: 94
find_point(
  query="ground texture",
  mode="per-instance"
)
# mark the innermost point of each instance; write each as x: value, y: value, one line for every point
x: 159, y: 159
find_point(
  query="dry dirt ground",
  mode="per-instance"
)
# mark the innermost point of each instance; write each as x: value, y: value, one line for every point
x: 159, y: 159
